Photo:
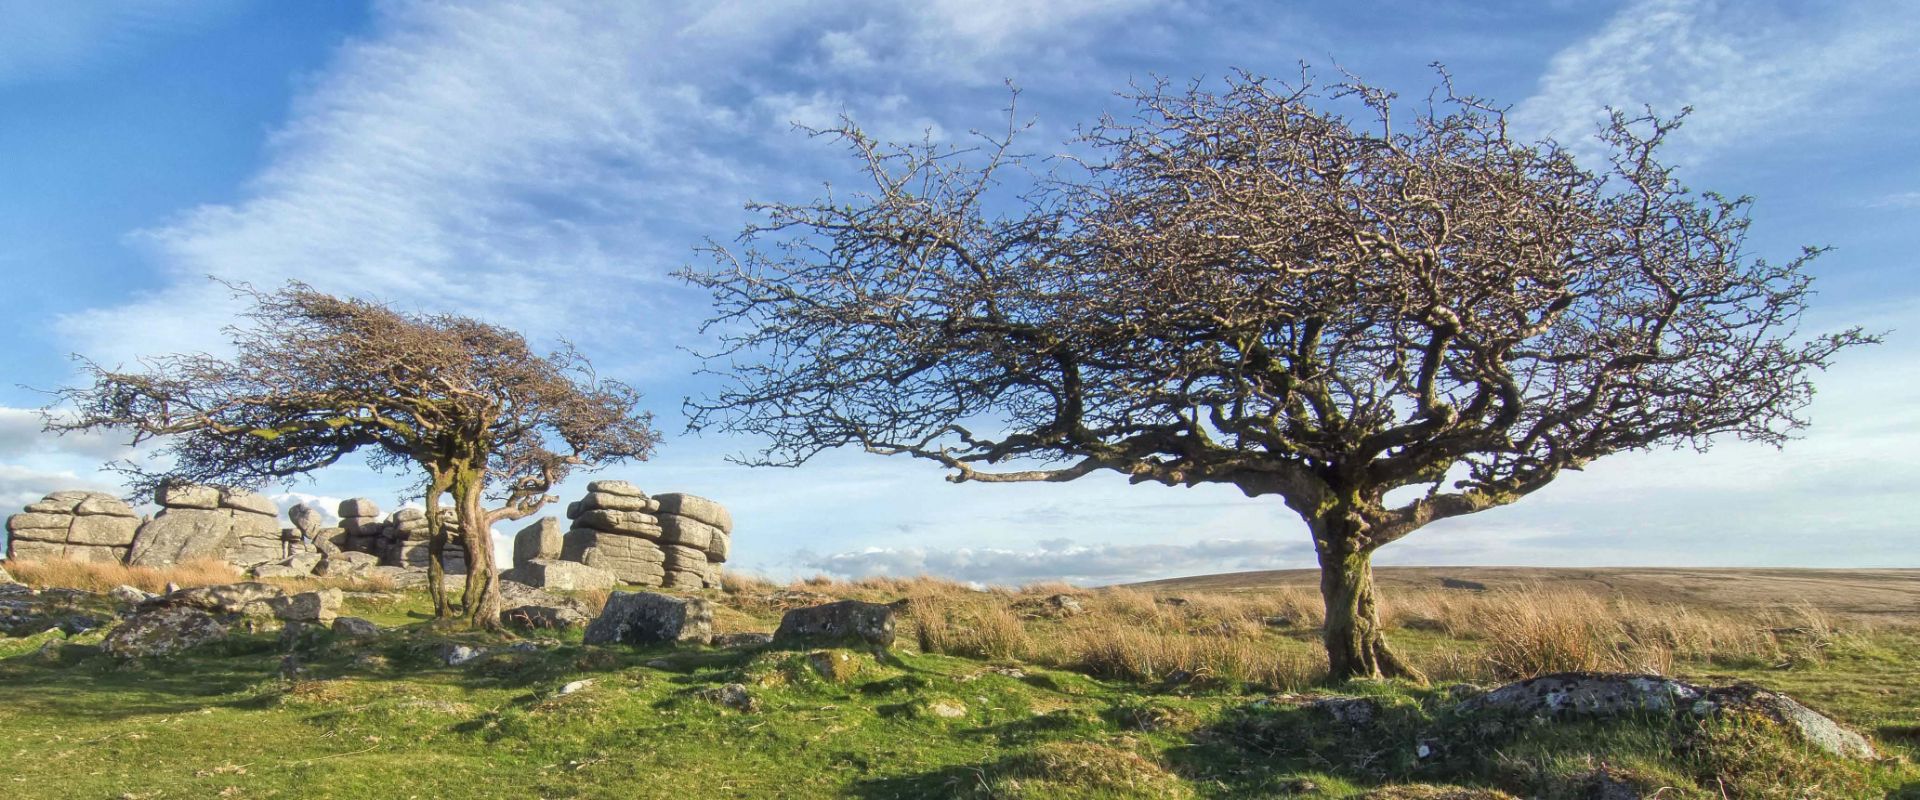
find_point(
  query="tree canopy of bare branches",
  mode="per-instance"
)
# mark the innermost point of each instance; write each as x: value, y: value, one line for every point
x: 316, y: 377
x: 1248, y: 287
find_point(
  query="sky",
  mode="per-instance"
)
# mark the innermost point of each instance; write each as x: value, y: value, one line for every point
x: 546, y: 165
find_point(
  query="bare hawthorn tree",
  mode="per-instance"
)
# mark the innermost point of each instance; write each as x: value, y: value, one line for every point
x: 317, y: 377
x: 1245, y: 287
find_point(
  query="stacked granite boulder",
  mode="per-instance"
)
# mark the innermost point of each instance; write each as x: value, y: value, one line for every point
x: 537, y: 561
x: 407, y: 541
x: 360, y: 518
x: 202, y: 522
x: 81, y: 526
x: 614, y: 529
x: 675, y: 540
x: 698, y: 534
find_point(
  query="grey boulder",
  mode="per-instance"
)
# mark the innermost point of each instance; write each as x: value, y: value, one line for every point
x: 187, y: 496
x: 621, y: 488
x: 182, y: 534
x: 355, y: 628
x: 228, y: 598
x: 1590, y: 694
x: 163, y: 632
x: 839, y: 623
x: 543, y: 617
x: 649, y: 618
x: 699, y: 508
x: 321, y: 606
x: 541, y: 540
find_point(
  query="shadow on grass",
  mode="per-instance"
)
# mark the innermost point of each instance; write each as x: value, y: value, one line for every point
x: 963, y: 780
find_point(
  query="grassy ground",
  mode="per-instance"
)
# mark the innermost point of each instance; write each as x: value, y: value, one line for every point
x: 1139, y: 695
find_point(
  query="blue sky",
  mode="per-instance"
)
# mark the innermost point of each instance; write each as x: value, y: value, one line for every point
x: 545, y: 165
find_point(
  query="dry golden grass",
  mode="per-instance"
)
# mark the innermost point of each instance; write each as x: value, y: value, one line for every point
x: 101, y: 577
x: 977, y: 630
x: 1133, y: 653
x: 1267, y: 638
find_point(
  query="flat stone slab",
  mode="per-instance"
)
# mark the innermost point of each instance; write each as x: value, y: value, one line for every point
x: 1599, y: 694
x: 699, y: 508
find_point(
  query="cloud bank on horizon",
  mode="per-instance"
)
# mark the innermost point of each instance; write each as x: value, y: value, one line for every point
x: 546, y: 165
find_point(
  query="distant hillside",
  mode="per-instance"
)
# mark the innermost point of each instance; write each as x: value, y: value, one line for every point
x: 1886, y: 594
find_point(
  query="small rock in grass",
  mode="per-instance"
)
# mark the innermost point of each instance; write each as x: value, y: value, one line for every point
x: 947, y: 709
x: 321, y: 606
x: 355, y: 628
x: 576, y: 686
x: 742, y: 641
x: 1064, y: 605
x: 457, y: 654
x: 1355, y: 711
x: 543, y: 617
x: 833, y: 666
x: 734, y: 696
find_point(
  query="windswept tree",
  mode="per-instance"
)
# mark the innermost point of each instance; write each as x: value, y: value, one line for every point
x: 467, y: 406
x: 1385, y: 320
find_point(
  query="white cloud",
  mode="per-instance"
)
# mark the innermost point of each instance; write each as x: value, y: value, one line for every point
x: 544, y: 165
x: 1752, y: 72
x: 22, y: 435
x: 1062, y: 559
x: 22, y: 485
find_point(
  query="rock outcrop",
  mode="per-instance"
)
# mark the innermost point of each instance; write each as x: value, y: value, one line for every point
x: 360, y: 520
x: 407, y: 542
x: 201, y: 522
x: 674, y: 540
x: 81, y: 526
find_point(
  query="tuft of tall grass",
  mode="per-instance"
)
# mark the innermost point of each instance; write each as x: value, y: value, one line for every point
x: 1131, y: 653
x: 975, y: 630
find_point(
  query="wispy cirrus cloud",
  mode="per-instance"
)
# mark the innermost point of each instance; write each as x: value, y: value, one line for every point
x: 1065, y: 559
x: 545, y: 165
x: 1751, y: 71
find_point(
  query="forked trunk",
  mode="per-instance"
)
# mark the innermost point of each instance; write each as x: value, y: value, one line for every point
x: 482, y: 597
x: 436, y: 546
x: 1356, y: 642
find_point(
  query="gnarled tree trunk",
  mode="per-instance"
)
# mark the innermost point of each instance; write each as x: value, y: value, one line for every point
x: 482, y: 596
x: 436, y: 546
x: 1356, y: 642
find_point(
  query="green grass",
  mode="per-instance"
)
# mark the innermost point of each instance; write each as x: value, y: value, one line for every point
x: 386, y: 720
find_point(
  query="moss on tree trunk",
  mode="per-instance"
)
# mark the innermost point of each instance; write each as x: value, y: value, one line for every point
x: 1356, y: 641
x: 482, y: 596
